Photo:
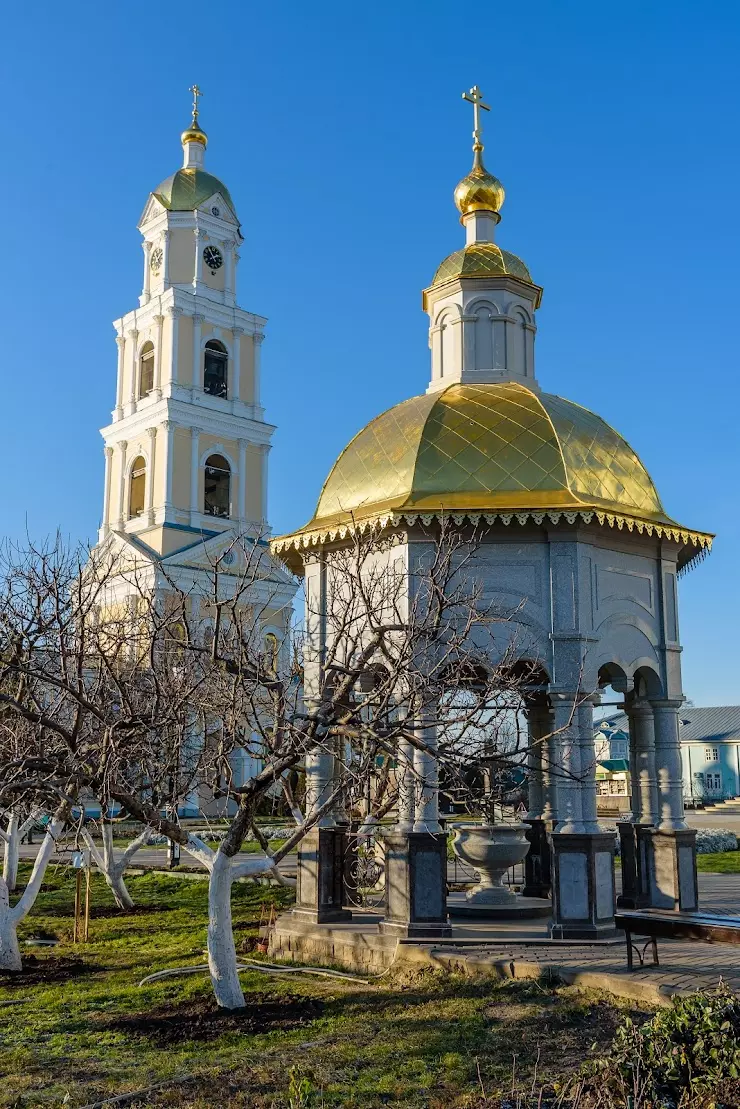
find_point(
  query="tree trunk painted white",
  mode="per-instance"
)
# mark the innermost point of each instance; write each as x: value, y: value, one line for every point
x: 12, y: 836
x: 223, y: 871
x: 112, y: 868
x: 10, y: 918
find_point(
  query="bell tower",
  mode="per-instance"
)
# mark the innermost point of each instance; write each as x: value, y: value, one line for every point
x: 186, y: 449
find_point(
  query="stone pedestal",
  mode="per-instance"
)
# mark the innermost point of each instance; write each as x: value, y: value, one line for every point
x: 321, y: 863
x: 415, y: 885
x: 583, y: 885
x: 671, y: 870
x: 538, y: 861
x: 631, y: 896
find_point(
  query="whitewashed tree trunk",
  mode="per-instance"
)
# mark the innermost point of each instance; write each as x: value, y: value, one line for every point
x: 10, y: 918
x: 223, y: 871
x: 111, y: 867
x: 12, y: 836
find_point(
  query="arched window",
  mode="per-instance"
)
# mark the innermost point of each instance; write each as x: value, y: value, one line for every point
x: 217, y: 486
x: 215, y: 369
x: 146, y: 370
x: 137, y: 488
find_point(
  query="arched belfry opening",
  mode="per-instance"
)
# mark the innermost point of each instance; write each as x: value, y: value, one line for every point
x: 216, y: 369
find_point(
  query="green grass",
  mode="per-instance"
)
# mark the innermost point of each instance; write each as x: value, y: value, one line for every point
x: 720, y: 862
x: 416, y: 1043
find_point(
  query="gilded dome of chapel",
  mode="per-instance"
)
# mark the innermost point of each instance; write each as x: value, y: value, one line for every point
x: 482, y: 260
x: 489, y: 447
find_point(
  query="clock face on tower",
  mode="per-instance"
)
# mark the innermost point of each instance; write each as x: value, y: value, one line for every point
x: 156, y: 260
x: 213, y: 258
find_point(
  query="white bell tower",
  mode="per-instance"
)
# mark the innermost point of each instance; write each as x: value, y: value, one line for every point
x: 186, y: 450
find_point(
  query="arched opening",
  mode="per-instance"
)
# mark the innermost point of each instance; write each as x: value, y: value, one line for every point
x: 137, y: 488
x: 146, y: 370
x: 217, y: 487
x: 215, y: 369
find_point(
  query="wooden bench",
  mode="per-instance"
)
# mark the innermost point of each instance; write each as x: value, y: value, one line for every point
x: 657, y: 924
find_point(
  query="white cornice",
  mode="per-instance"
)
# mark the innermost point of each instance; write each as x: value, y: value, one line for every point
x: 186, y: 413
x: 214, y: 312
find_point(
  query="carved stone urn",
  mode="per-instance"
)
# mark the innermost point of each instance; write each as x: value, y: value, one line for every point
x: 491, y: 849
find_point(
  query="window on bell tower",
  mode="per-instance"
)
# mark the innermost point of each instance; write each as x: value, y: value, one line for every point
x: 215, y: 369
x: 217, y: 487
x: 137, y: 488
x: 146, y: 370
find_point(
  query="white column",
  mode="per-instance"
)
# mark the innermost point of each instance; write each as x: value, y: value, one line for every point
x: 152, y: 433
x: 257, y: 339
x: 194, y: 474
x: 587, y: 764
x: 241, y: 510
x: 642, y: 737
x: 567, y: 766
x: 159, y: 320
x: 197, y: 370
x: 435, y: 345
x: 106, y: 489
x: 166, y: 259
x: 319, y: 784
x: 468, y: 324
x: 147, y: 248
x: 198, y: 238
x: 535, y: 763
x: 426, y: 773
x: 668, y: 760
x: 234, y: 390
x: 121, y: 344
x: 174, y: 314
x: 406, y: 791
x: 122, y: 513
x: 540, y: 723
x: 229, y: 271
x: 169, y: 431
x: 263, y: 491
x: 133, y: 337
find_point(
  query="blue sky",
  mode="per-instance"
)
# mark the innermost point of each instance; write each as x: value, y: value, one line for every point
x: 340, y: 132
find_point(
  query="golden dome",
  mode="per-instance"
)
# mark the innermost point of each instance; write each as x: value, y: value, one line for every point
x: 187, y: 189
x: 483, y: 260
x: 496, y: 449
x: 480, y: 191
x: 194, y: 134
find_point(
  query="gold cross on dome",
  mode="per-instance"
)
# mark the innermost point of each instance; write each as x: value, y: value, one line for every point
x: 196, y: 93
x: 475, y: 97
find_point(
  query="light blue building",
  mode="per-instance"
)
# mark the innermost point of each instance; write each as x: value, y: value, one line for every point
x: 710, y: 749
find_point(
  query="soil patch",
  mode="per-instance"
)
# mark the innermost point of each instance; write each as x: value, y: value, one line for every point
x: 202, y: 1019
x: 40, y: 971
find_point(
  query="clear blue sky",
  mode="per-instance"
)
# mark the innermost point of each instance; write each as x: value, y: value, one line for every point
x: 340, y: 131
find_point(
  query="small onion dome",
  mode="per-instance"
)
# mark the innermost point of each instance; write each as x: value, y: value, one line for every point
x: 480, y: 191
x: 194, y: 134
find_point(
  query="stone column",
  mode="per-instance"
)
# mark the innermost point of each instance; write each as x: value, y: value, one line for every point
x: 468, y: 343
x: 133, y: 337
x: 198, y: 239
x: 241, y: 510
x: 642, y: 737
x: 159, y: 320
x: 122, y: 513
x: 147, y: 248
x: 257, y: 340
x: 406, y: 787
x: 194, y: 475
x: 669, y: 850
x: 121, y: 344
x: 106, y: 489
x: 169, y: 430
x: 583, y: 887
x: 197, y: 361
x: 150, y: 473
x: 539, y: 818
x: 426, y: 774
x: 174, y: 314
x: 234, y: 389
x: 320, y: 893
x: 166, y: 259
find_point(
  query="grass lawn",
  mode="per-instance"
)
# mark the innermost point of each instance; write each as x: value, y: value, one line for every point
x: 720, y: 862
x: 82, y: 1029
